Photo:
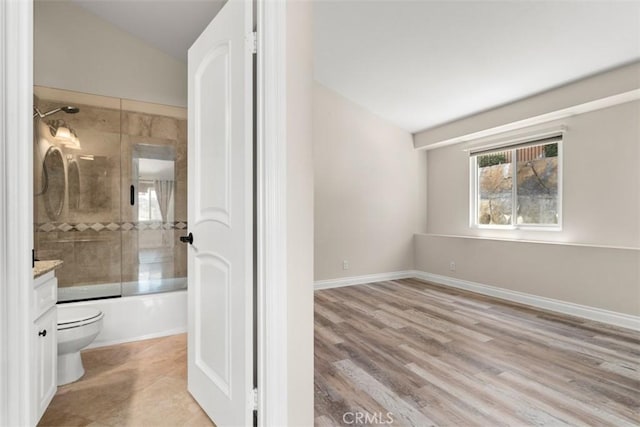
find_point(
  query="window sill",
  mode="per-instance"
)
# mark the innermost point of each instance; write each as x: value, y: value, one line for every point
x: 518, y: 227
x: 542, y: 242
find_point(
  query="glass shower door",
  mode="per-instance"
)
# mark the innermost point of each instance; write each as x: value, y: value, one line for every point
x: 153, y: 258
x: 77, y: 199
x: 110, y: 194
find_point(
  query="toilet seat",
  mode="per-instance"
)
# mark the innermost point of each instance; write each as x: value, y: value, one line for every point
x: 74, y: 317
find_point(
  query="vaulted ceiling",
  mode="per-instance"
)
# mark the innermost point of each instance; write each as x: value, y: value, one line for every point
x: 169, y: 25
x: 423, y: 63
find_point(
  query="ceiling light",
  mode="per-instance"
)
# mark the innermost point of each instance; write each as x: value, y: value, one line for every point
x: 63, y: 134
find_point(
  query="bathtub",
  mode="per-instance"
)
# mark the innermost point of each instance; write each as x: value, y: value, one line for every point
x: 108, y: 290
x: 139, y: 317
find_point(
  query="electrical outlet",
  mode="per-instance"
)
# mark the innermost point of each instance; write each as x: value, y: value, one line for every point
x: 345, y: 265
x: 452, y: 266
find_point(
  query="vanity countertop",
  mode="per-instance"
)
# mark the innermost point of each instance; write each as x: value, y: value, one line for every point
x: 43, y: 267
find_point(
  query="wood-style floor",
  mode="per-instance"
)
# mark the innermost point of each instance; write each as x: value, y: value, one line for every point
x: 431, y: 355
x: 142, y: 383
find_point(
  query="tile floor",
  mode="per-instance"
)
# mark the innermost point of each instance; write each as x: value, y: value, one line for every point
x: 142, y: 383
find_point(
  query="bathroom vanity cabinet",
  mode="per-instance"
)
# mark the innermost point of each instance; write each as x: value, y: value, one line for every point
x: 44, y: 343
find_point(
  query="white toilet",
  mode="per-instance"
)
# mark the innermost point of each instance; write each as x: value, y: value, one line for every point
x: 77, y: 328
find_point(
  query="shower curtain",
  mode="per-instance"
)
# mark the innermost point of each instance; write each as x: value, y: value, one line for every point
x: 164, y: 192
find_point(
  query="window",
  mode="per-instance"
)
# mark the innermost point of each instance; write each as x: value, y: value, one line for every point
x: 517, y: 186
x: 148, y: 207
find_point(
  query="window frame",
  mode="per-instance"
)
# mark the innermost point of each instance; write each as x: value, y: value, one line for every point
x: 513, y: 146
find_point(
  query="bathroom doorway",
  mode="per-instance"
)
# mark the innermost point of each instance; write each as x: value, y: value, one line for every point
x: 128, y: 238
x: 18, y: 228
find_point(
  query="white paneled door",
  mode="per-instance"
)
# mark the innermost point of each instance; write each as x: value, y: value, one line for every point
x: 220, y: 193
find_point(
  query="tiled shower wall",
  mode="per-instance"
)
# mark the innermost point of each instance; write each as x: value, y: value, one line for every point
x: 98, y: 234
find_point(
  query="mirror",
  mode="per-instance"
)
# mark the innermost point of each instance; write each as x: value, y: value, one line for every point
x: 153, y: 177
x: 54, y: 182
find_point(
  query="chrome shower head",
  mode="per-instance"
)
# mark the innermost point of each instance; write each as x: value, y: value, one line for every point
x: 69, y: 109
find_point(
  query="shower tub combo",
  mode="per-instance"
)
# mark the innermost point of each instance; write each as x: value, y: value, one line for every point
x: 110, y: 201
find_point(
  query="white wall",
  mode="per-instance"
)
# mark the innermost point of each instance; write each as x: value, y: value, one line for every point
x: 601, y: 195
x: 597, y: 277
x: 299, y: 214
x: 370, y: 190
x: 594, y: 260
x: 76, y: 50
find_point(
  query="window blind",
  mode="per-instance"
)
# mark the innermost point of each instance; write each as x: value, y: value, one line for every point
x: 511, y: 145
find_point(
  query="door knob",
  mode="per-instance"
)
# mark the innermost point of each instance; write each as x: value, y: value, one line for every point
x: 187, y: 239
x: 42, y: 333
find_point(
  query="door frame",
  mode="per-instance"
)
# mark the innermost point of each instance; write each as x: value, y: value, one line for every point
x: 271, y: 201
x: 16, y: 211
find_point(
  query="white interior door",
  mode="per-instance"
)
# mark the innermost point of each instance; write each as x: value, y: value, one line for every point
x: 220, y: 182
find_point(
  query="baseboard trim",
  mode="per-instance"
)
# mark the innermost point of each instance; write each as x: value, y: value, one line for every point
x: 361, y: 280
x: 169, y: 332
x: 586, y: 312
x: 583, y: 311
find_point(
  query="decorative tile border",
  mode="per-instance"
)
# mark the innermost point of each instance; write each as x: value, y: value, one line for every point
x: 48, y: 227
